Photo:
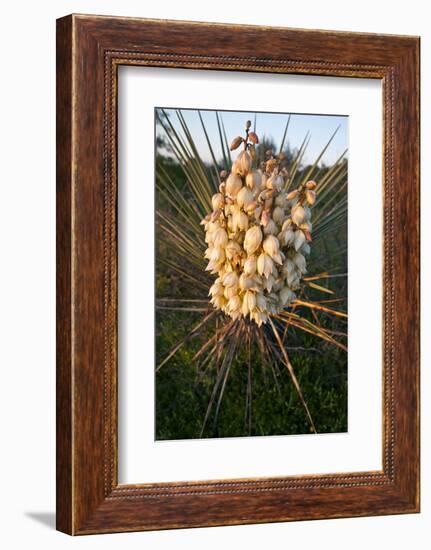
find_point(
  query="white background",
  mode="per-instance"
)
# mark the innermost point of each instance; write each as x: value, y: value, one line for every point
x: 141, y: 458
x: 27, y: 119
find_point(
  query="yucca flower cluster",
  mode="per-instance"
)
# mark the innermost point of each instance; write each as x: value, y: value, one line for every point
x: 258, y: 235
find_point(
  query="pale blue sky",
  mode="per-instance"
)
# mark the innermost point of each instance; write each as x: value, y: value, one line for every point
x: 321, y: 127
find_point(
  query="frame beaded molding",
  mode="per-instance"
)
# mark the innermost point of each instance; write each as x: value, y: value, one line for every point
x: 157, y: 490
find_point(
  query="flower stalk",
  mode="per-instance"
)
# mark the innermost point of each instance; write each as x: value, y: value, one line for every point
x: 258, y: 236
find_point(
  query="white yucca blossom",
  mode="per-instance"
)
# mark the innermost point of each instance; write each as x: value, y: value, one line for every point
x: 258, y: 237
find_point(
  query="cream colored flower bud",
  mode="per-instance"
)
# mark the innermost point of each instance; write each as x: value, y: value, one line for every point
x: 248, y: 303
x: 239, y: 221
x: 245, y: 283
x: 233, y: 251
x: 292, y: 279
x: 234, y: 304
x: 271, y: 245
x: 270, y: 182
x: 300, y: 262
x: 233, y: 185
x: 311, y: 184
x: 289, y: 267
x: 244, y: 197
x: 264, y: 265
x: 253, y: 239
x: 230, y: 291
x: 271, y: 228
x: 218, y: 255
x: 287, y: 237
x: 299, y: 239
x: 243, y: 163
x: 287, y: 224
x: 244, y: 307
x: 217, y: 201
x: 220, y: 238
x: 216, y: 289
x: 253, y: 180
x: 298, y: 214
x: 250, y: 266
x: 250, y: 296
x: 270, y: 165
x: 268, y: 283
x: 260, y: 317
x: 230, y: 279
x: 213, y: 267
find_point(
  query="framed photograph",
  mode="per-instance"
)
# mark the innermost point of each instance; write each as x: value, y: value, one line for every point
x: 237, y: 274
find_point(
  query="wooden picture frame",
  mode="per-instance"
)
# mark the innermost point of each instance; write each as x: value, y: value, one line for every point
x: 89, y: 51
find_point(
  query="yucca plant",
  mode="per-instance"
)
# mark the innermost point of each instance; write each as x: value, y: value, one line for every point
x: 253, y: 251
